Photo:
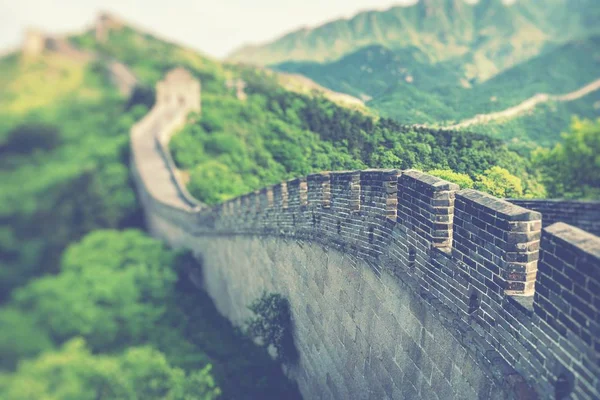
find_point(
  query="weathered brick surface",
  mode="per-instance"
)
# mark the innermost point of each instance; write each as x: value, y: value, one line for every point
x: 401, y: 285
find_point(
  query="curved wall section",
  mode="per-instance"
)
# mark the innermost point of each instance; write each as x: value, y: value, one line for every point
x: 400, y: 284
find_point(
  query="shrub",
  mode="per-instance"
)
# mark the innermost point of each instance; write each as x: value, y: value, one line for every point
x: 273, y: 325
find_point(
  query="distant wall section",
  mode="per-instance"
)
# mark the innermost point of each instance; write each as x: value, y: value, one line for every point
x: 582, y: 214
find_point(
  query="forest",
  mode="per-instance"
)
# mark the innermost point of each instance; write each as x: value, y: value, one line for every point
x: 96, y: 308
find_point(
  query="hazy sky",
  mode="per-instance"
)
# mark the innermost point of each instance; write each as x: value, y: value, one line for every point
x: 214, y: 27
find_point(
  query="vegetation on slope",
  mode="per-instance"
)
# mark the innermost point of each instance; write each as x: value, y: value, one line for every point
x: 404, y: 85
x: 541, y: 126
x: 130, y: 300
x: 73, y: 372
x: 239, y: 146
x: 64, y: 174
x: 571, y: 169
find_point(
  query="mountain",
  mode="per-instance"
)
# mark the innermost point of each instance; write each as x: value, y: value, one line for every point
x: 481, y: 39
x: 370, y: 71
x: 561, y: 70
x: 403, y: 85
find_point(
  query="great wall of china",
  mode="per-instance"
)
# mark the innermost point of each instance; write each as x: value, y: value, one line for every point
x: 37, y: 42
x: 528, y: 105
x: 400, y: 284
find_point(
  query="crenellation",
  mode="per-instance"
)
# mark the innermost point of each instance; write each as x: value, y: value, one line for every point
x: 494, y: 245
x: 401, y: 282
x: 567, y: 295
x: 319, y: 190
x: 345, y: 191
x: 378, y: 192
x: 426, y: 205
x: 297, y: 193
x: 280, y: 196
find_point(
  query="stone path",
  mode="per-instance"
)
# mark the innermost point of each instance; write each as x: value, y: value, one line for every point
x: 149, y: 159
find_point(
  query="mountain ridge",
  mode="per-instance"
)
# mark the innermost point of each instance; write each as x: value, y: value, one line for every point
x: 402, y: 85
x: 489, y: 35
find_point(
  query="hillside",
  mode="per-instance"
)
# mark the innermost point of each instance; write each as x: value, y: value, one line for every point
x: 542, y: 124
x: 64, y: 177
x: 562, y: 70
x: 240, y: 144
x: 481, y: 40
x: 402, y: 85
x: 370, y: 71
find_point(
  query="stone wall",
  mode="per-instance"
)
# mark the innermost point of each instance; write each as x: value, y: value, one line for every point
x: 400, y: 284
x: 35, y: 43
x: 582, y: 214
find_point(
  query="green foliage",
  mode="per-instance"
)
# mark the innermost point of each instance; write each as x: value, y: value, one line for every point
x: 572, y: 169
x: 496, y: 181
x: 73, y: 372
x: 72, y: 178
x: 214, y: 182
x: 106, y: 299
x: 463, y: 180
x: 272, y: 325
x: 500, y: 183
x: 122, y: 289
x: 236, y: 147
x: 20, y: 337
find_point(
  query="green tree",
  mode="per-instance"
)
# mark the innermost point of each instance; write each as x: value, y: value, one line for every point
x: 74, y: 373
x: 499, y: 182
x: 20, y: 337
x: 272, y: 325
x: 214, y: 181
x: 463, y: 180
x: 111, y: 289
x: 572, y: 168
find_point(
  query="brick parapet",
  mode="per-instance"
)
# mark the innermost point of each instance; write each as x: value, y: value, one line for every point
x: 469, y: 253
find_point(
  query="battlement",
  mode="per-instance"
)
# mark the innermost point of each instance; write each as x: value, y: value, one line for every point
x: 497, y: 240
x: 523, y: 300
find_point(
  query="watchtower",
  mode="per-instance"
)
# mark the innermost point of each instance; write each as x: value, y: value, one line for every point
x: 179, y: 89
x: 34, y: 43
